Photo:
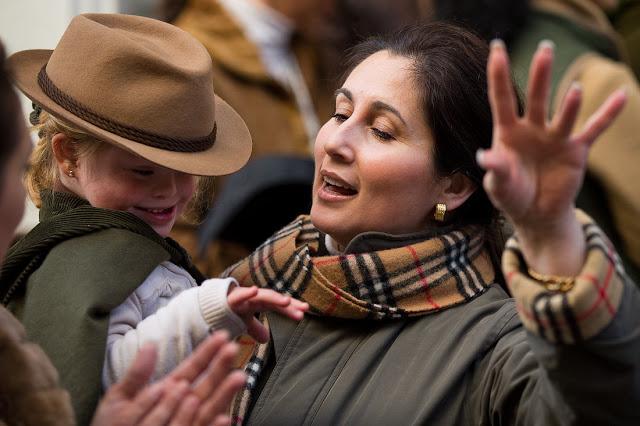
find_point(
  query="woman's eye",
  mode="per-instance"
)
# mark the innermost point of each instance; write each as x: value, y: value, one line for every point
x: 142, y: 172
x: 339, y: 117
x: 381, y: 134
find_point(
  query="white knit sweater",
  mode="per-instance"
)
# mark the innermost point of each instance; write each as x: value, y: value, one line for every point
x: 170, y: 310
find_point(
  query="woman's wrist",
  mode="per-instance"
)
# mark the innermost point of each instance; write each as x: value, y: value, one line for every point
x: 556, y: 248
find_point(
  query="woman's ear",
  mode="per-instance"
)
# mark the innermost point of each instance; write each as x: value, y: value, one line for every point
x: 456, y: 190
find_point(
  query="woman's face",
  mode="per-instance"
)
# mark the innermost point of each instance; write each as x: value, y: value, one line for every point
x: 116, y: 179
x: 373, y: 159
x: 12, y: 193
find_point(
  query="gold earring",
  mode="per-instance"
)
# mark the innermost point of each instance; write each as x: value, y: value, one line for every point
x: 441, y: 209
x: 70, y: 173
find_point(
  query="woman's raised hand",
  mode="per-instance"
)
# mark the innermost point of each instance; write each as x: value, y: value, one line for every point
x: 535, y: 166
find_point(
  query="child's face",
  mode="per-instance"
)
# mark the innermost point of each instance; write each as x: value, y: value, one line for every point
x: 113, y: 178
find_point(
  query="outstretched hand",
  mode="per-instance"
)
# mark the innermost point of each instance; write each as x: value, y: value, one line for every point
x: 535, y: 167
x: 247, y: 301
x: 198, y: 392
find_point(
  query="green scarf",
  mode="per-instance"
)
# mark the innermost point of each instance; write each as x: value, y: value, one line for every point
x: 417, y: 279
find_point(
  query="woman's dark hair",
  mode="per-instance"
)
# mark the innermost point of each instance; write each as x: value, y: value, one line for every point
x: 449, y: 70
x: 9, y: 107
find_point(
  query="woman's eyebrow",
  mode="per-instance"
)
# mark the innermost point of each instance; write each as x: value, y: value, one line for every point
x: 345, y: 92
x: 377, y: 105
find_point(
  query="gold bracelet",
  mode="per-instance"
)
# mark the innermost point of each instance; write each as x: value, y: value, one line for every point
x: 553, y: 282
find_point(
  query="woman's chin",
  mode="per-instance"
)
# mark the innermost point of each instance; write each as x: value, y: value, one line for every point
x: 328, y: 224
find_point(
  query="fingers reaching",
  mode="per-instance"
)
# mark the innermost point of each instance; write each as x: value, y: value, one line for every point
x: 262, y: 300
x: 501, y: 94
x: 540, y: 83
x: 565, y: 119
x: 165, y: 409
x: 217, y: 405
x: 603, y: 117
x: 497, y: 176
x: 219, y: 368
x: 257, y: 330
x: 239, y: 295
x: 222, y: 420
x: 192, y: 367
x: 138, y: 375
x: 186, y: 411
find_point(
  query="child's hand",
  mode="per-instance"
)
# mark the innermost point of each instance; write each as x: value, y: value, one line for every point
x: 247, y: 301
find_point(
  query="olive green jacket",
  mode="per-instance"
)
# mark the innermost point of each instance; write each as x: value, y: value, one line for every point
x: 98, y: 259
x: 540, y: 358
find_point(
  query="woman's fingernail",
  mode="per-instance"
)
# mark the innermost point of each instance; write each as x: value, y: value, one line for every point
x: 576, y: 86
x: 547, y: 44
x: 497, y: 43
x: 479, y: 156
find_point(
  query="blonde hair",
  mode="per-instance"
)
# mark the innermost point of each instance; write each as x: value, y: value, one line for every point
x: 44, y: 173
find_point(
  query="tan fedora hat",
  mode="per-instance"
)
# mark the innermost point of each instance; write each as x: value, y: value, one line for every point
x: 141, y: 84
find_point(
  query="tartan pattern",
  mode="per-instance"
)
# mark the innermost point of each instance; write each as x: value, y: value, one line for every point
x: 583, y: 311
x: 413, y: 280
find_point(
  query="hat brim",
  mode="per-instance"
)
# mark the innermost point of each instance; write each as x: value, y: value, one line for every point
x: 229, y: 153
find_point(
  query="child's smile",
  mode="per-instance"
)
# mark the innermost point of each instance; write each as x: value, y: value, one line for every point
x: 116, y: 179
x: 157, y: 217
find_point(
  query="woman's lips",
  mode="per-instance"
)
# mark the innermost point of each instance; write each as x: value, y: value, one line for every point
x: 335, y: 190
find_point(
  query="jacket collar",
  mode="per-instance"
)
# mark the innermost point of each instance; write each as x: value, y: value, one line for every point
x: 375, y: 241
x: 55, y: 203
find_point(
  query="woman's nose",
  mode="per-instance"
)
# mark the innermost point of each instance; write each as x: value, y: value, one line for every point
x: 340, y: 142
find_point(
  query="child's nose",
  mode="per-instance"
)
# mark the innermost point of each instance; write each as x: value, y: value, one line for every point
x: 166, y: 186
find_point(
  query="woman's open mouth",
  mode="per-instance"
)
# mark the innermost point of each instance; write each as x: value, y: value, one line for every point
x: 335, y: 188
x: 338, y: 187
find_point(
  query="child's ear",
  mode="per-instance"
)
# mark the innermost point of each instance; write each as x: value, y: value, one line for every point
x: 457, y: 189
x: 64, y: 151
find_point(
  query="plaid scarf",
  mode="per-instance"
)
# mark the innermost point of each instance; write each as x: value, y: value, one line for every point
x: 413, y: 280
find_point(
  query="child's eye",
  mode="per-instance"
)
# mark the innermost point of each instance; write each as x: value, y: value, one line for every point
x: 142, y: 172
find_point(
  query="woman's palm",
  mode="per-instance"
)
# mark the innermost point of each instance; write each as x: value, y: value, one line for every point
x: 535, y: 167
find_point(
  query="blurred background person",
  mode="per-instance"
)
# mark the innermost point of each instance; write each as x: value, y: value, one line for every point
x: 276, y: 62
x: 626, y: 20
x: 267, y: 65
